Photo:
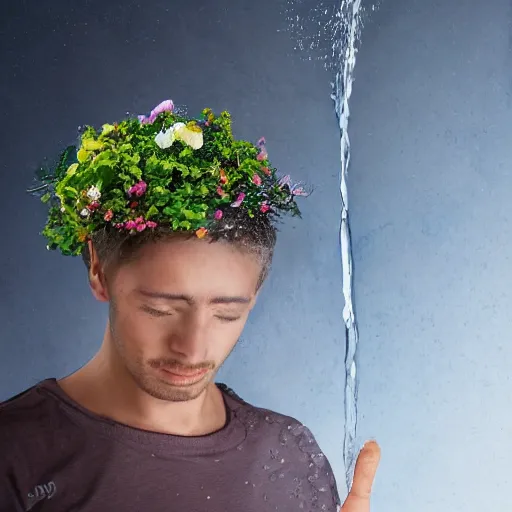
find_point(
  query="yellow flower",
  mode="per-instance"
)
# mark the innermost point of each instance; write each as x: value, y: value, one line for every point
x: 190, y: 134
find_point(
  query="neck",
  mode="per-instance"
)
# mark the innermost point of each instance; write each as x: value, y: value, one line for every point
x: 106, y: 388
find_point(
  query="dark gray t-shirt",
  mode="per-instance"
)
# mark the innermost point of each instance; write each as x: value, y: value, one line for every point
x: 56, y: 456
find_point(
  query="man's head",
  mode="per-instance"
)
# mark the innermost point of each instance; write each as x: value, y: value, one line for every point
x: 179, y: 303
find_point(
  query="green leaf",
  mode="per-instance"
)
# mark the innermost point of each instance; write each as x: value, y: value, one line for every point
x: 153, y: 211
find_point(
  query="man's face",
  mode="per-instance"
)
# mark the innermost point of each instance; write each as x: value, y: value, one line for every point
x: 177, y: 312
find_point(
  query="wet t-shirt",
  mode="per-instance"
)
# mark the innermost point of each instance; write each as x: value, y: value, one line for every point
x: 56, y: 456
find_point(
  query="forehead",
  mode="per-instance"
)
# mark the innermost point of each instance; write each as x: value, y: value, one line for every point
x: 198, y: 268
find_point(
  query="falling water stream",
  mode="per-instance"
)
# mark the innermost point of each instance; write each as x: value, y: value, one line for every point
x: 336, y: 29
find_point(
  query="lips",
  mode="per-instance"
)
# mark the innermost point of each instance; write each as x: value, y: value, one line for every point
x: 185, y: 373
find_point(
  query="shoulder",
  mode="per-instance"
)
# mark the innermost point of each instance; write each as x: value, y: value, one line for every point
x: 25, y: 419
x: 285, y: 446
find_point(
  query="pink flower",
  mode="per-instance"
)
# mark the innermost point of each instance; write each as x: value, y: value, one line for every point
x: 93, y: 206
x: 266, y: 170
x: 131, y: 224
x: 108, y: 215
x: 218, y: 215
x: 256, y: 179
x: 119, y: 225
x: 139, y: 220
x: 264, y: 208
x: 221, y: 192
x: 299, y: 191
x: 141, y: 227
x: 239, y: 200
x: 139, y: 189
x: 285, y: 180
x: 151, y: 224
x: 262, y: 155
x: 164, y: 106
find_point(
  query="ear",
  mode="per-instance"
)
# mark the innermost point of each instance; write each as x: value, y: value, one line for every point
x: 97, y: 279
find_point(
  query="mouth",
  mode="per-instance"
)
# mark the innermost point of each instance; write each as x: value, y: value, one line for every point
x: 182, y: 377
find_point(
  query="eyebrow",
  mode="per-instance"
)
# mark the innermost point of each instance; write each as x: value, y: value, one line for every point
x: 190, y: 300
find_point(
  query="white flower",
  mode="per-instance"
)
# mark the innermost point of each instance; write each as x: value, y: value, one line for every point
x: 164, y: 139
x: 94, y: 193
x: 191, y: 135
x: 85, y: 213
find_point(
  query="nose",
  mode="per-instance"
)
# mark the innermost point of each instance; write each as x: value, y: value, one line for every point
x: 188, y: 340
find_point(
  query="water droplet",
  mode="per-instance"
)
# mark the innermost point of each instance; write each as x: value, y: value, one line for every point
x: 274, y: 454
x: 207, y: 497
x: 265, y: 497
x: 240, y: 448
x: 282, y: 461
x: 301, y: 504
x: 217, y: 460
x: 273, y: 476
x: 266, y: 468
x: 246, y: 483
x: 281, y: 475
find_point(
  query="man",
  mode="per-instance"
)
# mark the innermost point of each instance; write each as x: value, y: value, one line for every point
x: 174, y: 220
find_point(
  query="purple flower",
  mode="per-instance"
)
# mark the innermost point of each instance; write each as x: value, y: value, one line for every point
x: 139, y: 189
x: 239, y: 200
x: 164, y: 106
x: 218, y: 215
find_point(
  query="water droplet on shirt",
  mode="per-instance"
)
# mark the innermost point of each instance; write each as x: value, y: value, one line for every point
x: 240, y: 448
x: 266, y: 468
x: 265, y: 497
x: 274, y: 454
x: 246, y: 483
x: 273, y: 476
x: 207, y: 497
x: 282, y: 461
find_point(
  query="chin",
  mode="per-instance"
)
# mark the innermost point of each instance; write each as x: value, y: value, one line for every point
x: 168, y: 392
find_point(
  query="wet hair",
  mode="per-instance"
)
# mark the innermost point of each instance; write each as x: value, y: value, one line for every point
x: 252, y: 235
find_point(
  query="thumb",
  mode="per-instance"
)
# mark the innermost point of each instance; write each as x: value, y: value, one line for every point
x: 358, y: 499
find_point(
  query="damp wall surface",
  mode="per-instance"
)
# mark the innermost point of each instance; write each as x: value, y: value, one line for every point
x: 429, y: 187
x: 64, y: 66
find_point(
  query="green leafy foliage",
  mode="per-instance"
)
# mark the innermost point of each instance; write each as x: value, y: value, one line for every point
x: 121, y: 176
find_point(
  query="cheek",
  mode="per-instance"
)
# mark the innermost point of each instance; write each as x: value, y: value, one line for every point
x: 140, y: 334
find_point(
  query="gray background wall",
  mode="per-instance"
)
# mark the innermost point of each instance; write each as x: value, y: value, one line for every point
x: 430, y: 188
x: 91, y: 62
x: 429, y: 183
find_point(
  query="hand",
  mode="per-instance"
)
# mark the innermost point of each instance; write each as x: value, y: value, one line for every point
x: 358, y: 499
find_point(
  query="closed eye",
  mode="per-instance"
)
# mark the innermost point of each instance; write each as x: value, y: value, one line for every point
x: 228, y: 318
x: 155, y: 312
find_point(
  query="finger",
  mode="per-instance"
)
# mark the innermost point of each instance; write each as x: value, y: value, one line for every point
x: 364, y: 473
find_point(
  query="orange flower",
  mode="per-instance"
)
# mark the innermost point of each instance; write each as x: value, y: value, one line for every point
x: 201, y: 232
x: 223, y: 177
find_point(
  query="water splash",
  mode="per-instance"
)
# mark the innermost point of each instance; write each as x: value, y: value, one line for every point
x: 342, y: 90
